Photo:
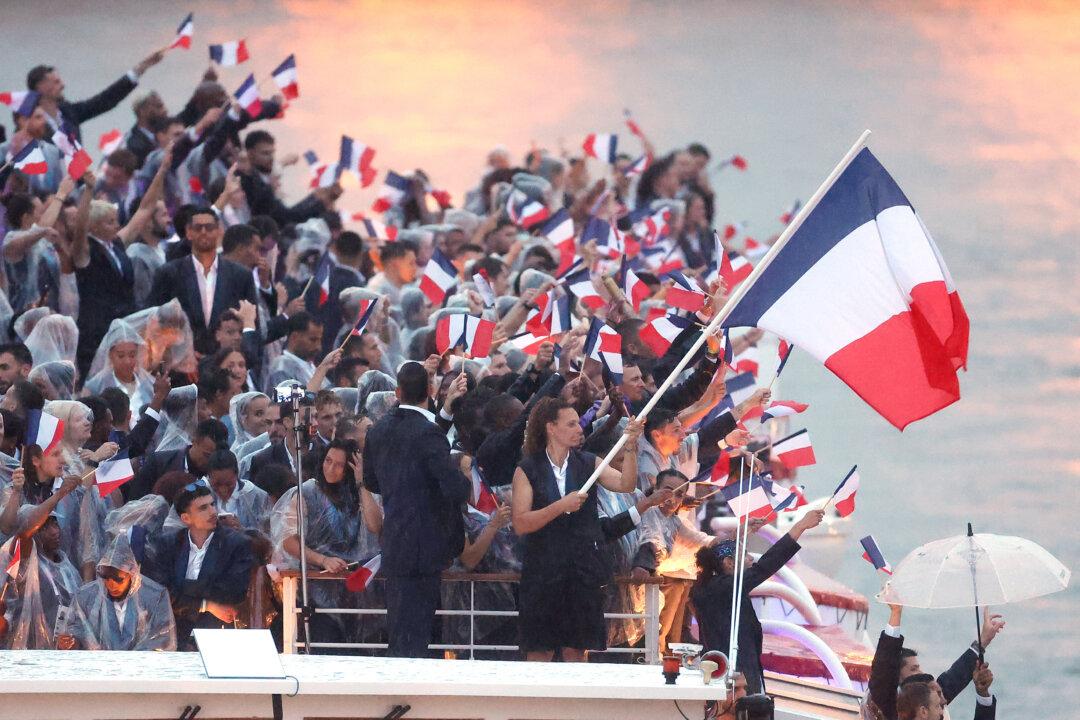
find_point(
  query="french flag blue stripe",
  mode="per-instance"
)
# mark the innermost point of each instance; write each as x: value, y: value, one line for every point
x: 862, y: 191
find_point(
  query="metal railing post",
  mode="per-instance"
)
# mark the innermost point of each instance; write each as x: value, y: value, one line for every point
x: 652, y: 624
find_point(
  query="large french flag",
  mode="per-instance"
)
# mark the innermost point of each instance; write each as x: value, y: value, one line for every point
x: 861, y: 286
x: 44, y: 430
x: 470, y: 333
x: 113, y: 473
x: 795, y: 450
x: 601, y: 146
x: 285, y: 78
x: 230, y: 53
x: 439, y: 277
x: 30, y: 160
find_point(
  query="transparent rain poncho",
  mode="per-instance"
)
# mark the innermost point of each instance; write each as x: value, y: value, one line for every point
x: 179, y: 418
x: 246, y: 452
x: 623, y: 597
x: 348, y: 397
x: 503, y: 556
x: 250, y: 504
x: 26, y: 323
x: 166, y: 331
x: 54, y: 338
x: 141, y: 389
x: 6, y: 313
x: 42, y: 588
x: 55, y: 379
x: 145, y: 262
x: 147, y: 512
x: 333, y: 527
x: 237, y: 408
x: 145, y: 623
x: 287, y: 367
x: 378, y: 404
x: 370, y: 382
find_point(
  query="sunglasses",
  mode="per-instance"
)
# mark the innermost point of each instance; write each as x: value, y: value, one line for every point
x: 203, y: 227
x: 113, y: 575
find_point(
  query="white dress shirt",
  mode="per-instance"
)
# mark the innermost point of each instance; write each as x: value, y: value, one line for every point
x: 196, y: 556
x: 120, y: 608
x: 560, y: 472
x: 207, y: 286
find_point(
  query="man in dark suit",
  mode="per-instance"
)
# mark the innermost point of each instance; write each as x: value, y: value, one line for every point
x: 210, y: 434
x: 407, y: 461
x: 348, y: 250
x: 282, y: 447
x: 206, y: 567
x: 894, y: 664
x: 205, y: 283
x: 45, y: 80
x: 103, y: 270
x: 261, y: 198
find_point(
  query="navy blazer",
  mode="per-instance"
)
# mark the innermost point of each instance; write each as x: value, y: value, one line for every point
x: 176, y: 279
x: 105, y: 293
x: 407, y: 461
x: 223, y: 578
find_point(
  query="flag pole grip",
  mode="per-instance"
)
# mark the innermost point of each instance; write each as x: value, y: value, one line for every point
x: 733, y: 299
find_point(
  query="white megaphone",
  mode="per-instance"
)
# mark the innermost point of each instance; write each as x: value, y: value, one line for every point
x: 713, y: 664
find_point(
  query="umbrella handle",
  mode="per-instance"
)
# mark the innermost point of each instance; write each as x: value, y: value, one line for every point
x: 975, y: 591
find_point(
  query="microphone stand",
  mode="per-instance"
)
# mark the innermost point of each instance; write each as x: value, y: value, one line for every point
x: 306, y: 610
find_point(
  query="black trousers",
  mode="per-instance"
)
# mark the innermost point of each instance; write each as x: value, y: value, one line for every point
x: 411, y: 603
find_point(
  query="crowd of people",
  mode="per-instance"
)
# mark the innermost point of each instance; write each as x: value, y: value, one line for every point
x: 158, y: 303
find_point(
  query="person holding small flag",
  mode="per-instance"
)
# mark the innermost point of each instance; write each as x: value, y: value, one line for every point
x: 32, y: 126
x: 712, y: 591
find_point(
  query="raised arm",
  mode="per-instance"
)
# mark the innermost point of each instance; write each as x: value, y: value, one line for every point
x: 624, y: 481
x: 153, y: 194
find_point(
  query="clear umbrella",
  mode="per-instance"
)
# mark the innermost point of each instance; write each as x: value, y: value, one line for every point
x: 972, y: 570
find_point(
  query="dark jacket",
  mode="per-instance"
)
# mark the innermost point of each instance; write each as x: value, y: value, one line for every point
x: 682, y: 395
x: 138, y: 439
x: 885, y: 674
x: 79, y: 112
x: 177, y: 279
x: 712, y: 598
x: 407, y: 461
x: 262, y: 201
x: 500, y: 452
x: 330, y: 313
x: 138, y: 143
x: 105, y: 293
x: 277, y: 453
x: 152, y: 467
x: 223, y: 578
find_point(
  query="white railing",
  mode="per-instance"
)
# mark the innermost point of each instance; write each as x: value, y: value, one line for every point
x: 290, y: 582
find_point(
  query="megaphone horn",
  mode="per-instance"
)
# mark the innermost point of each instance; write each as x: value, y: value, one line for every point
x: 719, y: 659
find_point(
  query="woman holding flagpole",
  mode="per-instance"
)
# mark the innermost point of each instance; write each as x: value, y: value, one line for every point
x: 564, y: 570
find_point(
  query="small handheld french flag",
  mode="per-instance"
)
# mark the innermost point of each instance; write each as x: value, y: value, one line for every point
x: 844, y: 496
x: 365, y: 315
x: 394, y: 189
x: 795, y: 450
x: 110, y: 141
x: 248, y: 96
x: 78, y: 160
x: 633, y: 287
x: 603, y: 343
x: 482, y: 498
x: 285, y: 78
x: 355, y: 156
x: 601, y: 146
x: 873, y: 555
x: 230, y: 53
x: 468, y: 332
x: 44, y: 430
x: 777, y: 408
x: 752, y: 502
x: 580, y: 284
x: 359, y: 580
x: 184, y: 32
x: 440, y: 276
x: 30, y: 160
x: 524, y: 211
x: 113, y: 473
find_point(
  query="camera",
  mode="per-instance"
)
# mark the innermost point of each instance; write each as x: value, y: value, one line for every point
x: 290, y: 390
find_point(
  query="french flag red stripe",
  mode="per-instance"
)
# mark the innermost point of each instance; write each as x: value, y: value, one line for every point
x: 795, y: 450
x: 844, y: 496
x: 359, y: 580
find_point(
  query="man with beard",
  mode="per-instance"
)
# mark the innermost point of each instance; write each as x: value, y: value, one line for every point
x: 120, y: 610
x: 15, y: 364
x: 147, y: 251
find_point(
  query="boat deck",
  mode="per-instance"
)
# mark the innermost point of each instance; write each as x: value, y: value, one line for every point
x: 50, y: 685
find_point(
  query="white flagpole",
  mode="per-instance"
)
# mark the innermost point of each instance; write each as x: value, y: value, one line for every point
x: 733, y: 629
x: 734, y: 299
